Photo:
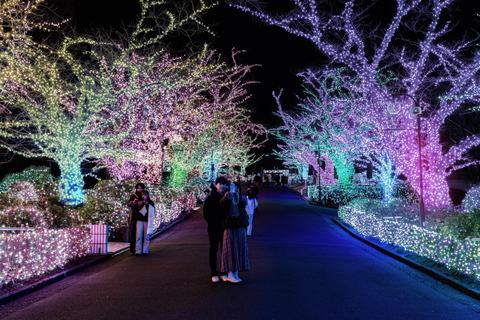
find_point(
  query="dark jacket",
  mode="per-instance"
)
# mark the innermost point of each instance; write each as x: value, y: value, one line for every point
x: 140, y: 217
x: 132, y: 221
x: 212, y: 212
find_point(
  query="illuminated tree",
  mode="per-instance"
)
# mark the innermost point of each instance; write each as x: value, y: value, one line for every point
x: 18, y: 21
x: 326, y: 122
x: 181, y: 128
x: 411, y: 41
x: 71, y: 109
x: 242, y: 157
x: 166, y: 118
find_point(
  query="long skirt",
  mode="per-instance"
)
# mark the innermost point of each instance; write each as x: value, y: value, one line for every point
x: 235, y: 250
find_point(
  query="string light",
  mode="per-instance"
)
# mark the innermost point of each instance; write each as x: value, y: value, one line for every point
x: 24, y: 255
x: 132, y: 91
x: 462, y: 256
x: 36, y: 248
x: 431, y: 65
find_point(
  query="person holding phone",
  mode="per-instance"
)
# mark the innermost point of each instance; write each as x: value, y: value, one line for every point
x: 134, y: 202
x: 235, y: 248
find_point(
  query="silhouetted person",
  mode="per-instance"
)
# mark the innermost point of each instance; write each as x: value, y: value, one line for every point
x: 214, y: 215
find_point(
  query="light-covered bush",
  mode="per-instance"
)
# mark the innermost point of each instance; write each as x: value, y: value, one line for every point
x: 472, y: 199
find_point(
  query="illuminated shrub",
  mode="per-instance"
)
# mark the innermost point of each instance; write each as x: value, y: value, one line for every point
x: 397, y: 225
x: 458, y: 224
x: 39, y: 177
x: 14, y: 213
x: 23, y: 191
x: 472, y: 199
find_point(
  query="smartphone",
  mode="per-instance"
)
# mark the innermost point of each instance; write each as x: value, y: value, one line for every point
x: 232, y: 187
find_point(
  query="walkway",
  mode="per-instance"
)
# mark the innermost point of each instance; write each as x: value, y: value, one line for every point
x: 303, y: 267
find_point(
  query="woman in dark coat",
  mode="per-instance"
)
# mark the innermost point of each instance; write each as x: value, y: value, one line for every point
x: 135, y: 202
x: 235, y: 249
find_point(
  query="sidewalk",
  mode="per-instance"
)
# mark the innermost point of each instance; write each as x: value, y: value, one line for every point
x: 114, y: 249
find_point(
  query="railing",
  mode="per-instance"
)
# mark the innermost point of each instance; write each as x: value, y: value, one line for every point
x: 17, y: 229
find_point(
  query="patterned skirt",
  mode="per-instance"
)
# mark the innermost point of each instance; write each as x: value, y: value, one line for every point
x: 235, y: 250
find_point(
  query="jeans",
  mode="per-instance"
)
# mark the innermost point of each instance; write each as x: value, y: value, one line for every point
x: 142, y: 237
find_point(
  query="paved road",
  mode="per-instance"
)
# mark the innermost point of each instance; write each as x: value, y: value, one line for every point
x: 302, y: 267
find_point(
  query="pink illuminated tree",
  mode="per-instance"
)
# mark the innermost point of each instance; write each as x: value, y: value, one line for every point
x: 180, y: 129
x: 326, y: 123
x: 413, y: 42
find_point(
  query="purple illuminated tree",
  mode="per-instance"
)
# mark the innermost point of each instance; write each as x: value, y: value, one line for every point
x: 412, y: 41
x: 326, y: 123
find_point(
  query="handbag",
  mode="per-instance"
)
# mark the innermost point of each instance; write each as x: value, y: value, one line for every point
x: 231, y: 223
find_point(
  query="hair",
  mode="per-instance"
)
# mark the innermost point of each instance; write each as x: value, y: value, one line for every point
x: 221, y: 180
x: 149, y: 200
x: 140, y: 185
x: 249, y: 194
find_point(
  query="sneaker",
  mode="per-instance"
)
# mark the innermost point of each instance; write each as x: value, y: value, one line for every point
x: 215, y: 279
x: 232, y: 279
x: 235, y: 275
x: 224, y: 278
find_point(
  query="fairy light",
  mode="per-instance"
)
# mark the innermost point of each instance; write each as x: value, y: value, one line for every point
x: 26, y: 254
x: 471, y: 201
x: 180, y: 125
x: 430, y: 64
x: 72, y: 121
x: 460, y: 255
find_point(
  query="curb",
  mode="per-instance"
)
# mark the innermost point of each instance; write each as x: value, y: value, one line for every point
x: 428, y: 271
x: 159, y: 232
x: 57, y: 277
x: 432, y: 273
x: 51, y: 280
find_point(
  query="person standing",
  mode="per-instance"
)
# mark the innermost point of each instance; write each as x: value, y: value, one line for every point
x: 252, y: 204
x: 284, y: 180
x: 276, y: 177
x: 135, y: 202
x: 213, y: 214
x: 235, y: 249
x: 145, y: 220
x: 254, y: 189
x: 257, y: 179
